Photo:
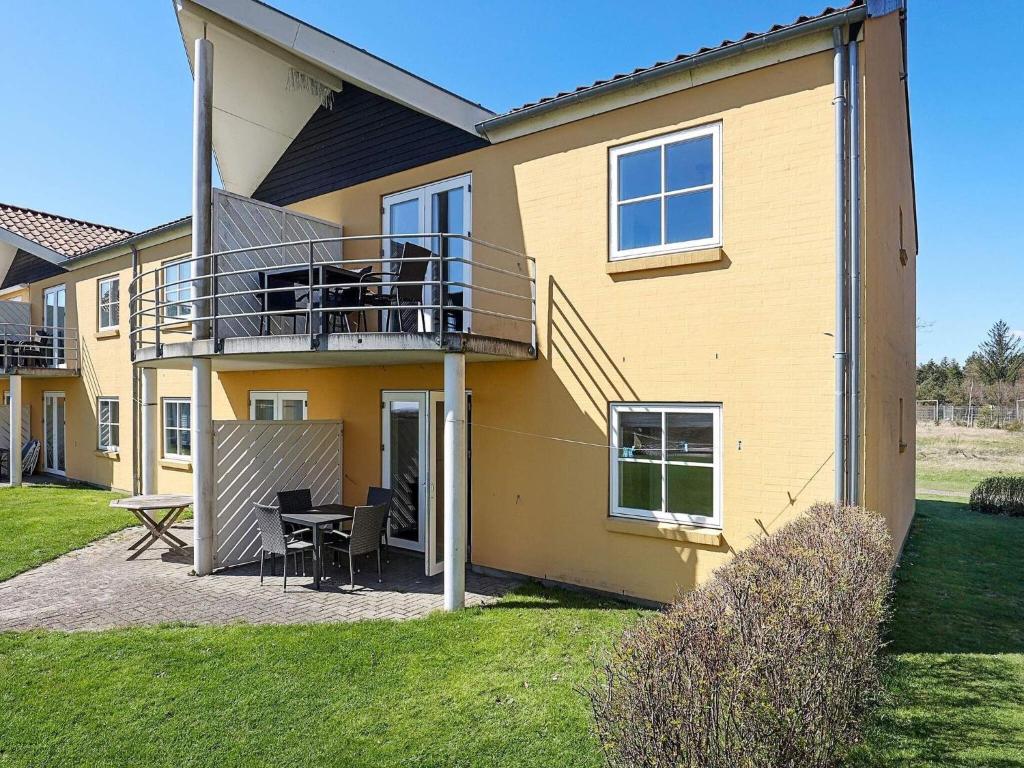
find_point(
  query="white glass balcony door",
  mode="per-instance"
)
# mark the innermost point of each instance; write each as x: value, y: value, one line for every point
x: 445, y: 207
x: 54, y: 318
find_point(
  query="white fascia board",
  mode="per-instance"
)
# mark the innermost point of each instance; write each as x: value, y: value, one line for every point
x: 346, y: 61
x: 579, y: 106
x: 31, y: 246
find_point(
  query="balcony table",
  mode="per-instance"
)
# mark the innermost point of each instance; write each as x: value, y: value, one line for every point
x: 147, y: 509
x: 316, y: 518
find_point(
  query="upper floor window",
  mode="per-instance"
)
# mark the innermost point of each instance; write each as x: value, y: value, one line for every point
x: 177, y: 288
x: 666, y: 462
x: 277, y: 406
x: 109, y: 423
x: 666, y: 193
x: 109, y: 302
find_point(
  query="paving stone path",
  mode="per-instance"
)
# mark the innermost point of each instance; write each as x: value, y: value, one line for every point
x: 95, y: 588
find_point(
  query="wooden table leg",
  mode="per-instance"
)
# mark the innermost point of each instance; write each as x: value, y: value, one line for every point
x: 156, y: 531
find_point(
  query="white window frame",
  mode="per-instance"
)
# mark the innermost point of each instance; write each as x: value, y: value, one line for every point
x: 713, y: 130
x: 179, y: 401
x: 111, y: 306
x: 715, y: 521
x: 100, y: 422
x: 181, y: 312
x: 278, y: 397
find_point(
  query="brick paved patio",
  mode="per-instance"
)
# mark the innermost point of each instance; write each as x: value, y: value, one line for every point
x: 96, y: 588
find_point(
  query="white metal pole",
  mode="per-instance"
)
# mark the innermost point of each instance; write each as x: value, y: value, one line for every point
x: 856, y: 321
x: 148, y: 454
x: 454, y: 481
x: 202, y: 414
x: 14, y: 459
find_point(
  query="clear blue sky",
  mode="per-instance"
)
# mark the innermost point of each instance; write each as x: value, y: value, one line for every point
x: 96, y: 119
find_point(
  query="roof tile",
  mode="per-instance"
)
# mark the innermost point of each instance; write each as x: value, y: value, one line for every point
x: 68, y: 237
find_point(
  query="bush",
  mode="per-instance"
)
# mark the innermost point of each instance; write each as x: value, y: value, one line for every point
x: 999, y: 495
x: 771, y: 663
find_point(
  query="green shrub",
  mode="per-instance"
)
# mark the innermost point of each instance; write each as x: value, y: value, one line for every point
x: 772, y: 663
x: 999, y: 495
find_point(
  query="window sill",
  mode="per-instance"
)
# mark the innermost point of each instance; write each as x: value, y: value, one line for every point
x: 668, y: 531
x: 112, y: 455
x: 665, y: 260
x: 108, y: 333
x: 179, y: 465
x: 183, y: 326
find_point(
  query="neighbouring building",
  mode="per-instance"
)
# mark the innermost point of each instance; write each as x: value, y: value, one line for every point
x: 606, y: 339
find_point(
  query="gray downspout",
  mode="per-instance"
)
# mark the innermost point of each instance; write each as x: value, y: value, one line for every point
x: 855, y: 279
x: 136, y: 400
x: 839, y: 102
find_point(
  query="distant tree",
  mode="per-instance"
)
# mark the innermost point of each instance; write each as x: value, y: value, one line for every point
x: 1000, y: 358
x: 940, y: 380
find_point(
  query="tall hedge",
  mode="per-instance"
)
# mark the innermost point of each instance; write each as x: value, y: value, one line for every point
x: 771, y: 663
x: 999, y: 495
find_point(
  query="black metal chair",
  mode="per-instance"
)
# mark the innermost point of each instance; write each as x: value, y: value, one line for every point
x: 362, y: 539
x: 347, y: 295
x: 414, y: 262
x: 293, y: 503
x: 374, y: 497
x: 275, y: 542
x: 288, y: 303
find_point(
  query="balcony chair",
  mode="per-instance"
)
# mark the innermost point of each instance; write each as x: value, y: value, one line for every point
x: 362, y: 539
x: 275, y: 542
x: 287, y: 302
x: 413, y: 267
x: 348, y: 295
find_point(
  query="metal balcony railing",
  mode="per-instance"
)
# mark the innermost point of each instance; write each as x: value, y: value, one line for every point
x: 24, y: 347
x: 431, y: 284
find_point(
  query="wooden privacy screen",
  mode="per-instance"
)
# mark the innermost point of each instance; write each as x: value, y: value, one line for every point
x: 253, y: 460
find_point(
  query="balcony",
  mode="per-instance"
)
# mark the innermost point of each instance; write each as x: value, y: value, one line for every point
x: 39, y: 350
x: 394, y: 299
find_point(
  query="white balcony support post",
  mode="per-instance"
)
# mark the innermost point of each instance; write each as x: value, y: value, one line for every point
x: 454, y: 481
x: 14, y: 458
x: 202, y: 414
x: 202, y: 465
x: 148, y: 456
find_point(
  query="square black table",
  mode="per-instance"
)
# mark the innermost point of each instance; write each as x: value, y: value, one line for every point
x: 316, y: 518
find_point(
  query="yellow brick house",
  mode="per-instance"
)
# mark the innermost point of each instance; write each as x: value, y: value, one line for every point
x: 604, y: 339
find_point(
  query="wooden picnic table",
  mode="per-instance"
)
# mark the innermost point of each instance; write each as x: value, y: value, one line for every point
x: 148, y: 510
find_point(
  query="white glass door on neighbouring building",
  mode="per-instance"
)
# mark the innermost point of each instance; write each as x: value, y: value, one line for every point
x: 54, y: 317
x: 53, y: 433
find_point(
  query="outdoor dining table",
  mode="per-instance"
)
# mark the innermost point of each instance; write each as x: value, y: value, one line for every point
x: 148, y: 510
x: 316, y: 518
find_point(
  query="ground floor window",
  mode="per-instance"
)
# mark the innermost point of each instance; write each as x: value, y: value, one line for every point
x: 666, y: 462
x: 177, y: 428
x: 109, y: 423
x: 278, y: 406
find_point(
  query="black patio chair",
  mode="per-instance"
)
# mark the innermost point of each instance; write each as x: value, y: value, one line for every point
x: 412, y: 268
x: 276, y: 543
x: 362, y: 539
x: 374, y: 497
x: 293, y: 503
x: 347, y: 295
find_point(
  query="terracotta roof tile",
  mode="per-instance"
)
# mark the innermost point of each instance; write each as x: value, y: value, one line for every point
x: 724, y: 44
x: 68, y: 237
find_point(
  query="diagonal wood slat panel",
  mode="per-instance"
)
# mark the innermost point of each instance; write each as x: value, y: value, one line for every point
x: 5, y: 426
x: 253, y: 460
x: 240, y: 222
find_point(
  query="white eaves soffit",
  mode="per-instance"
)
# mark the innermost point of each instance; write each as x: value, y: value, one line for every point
x: 257, y: 115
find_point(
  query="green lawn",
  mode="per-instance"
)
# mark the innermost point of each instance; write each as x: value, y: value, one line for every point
x: 956, y: 660
x: 39, y: 523
x: 952, y: 459
x: 487, y: 687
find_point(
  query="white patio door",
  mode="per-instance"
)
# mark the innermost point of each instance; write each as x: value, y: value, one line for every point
x: 53, y: 433
x: 54, y: 316
x: 413, y: 468
x: 445, y: 207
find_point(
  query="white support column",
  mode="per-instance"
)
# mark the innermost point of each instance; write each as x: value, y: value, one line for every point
x: 454, y: 481
x: 148, y: 431
x: 202, y: 465
x: 14, y: 459
x: 202, y: 413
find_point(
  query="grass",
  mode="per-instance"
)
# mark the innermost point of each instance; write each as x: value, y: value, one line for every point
x: 487, y: 687
x: 955, y: 667
x: 952, y: 459
x: 39, y: 523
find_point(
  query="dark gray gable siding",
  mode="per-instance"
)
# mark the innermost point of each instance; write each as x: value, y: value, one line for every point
x: 26, y: 268
x: 362, y: 137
